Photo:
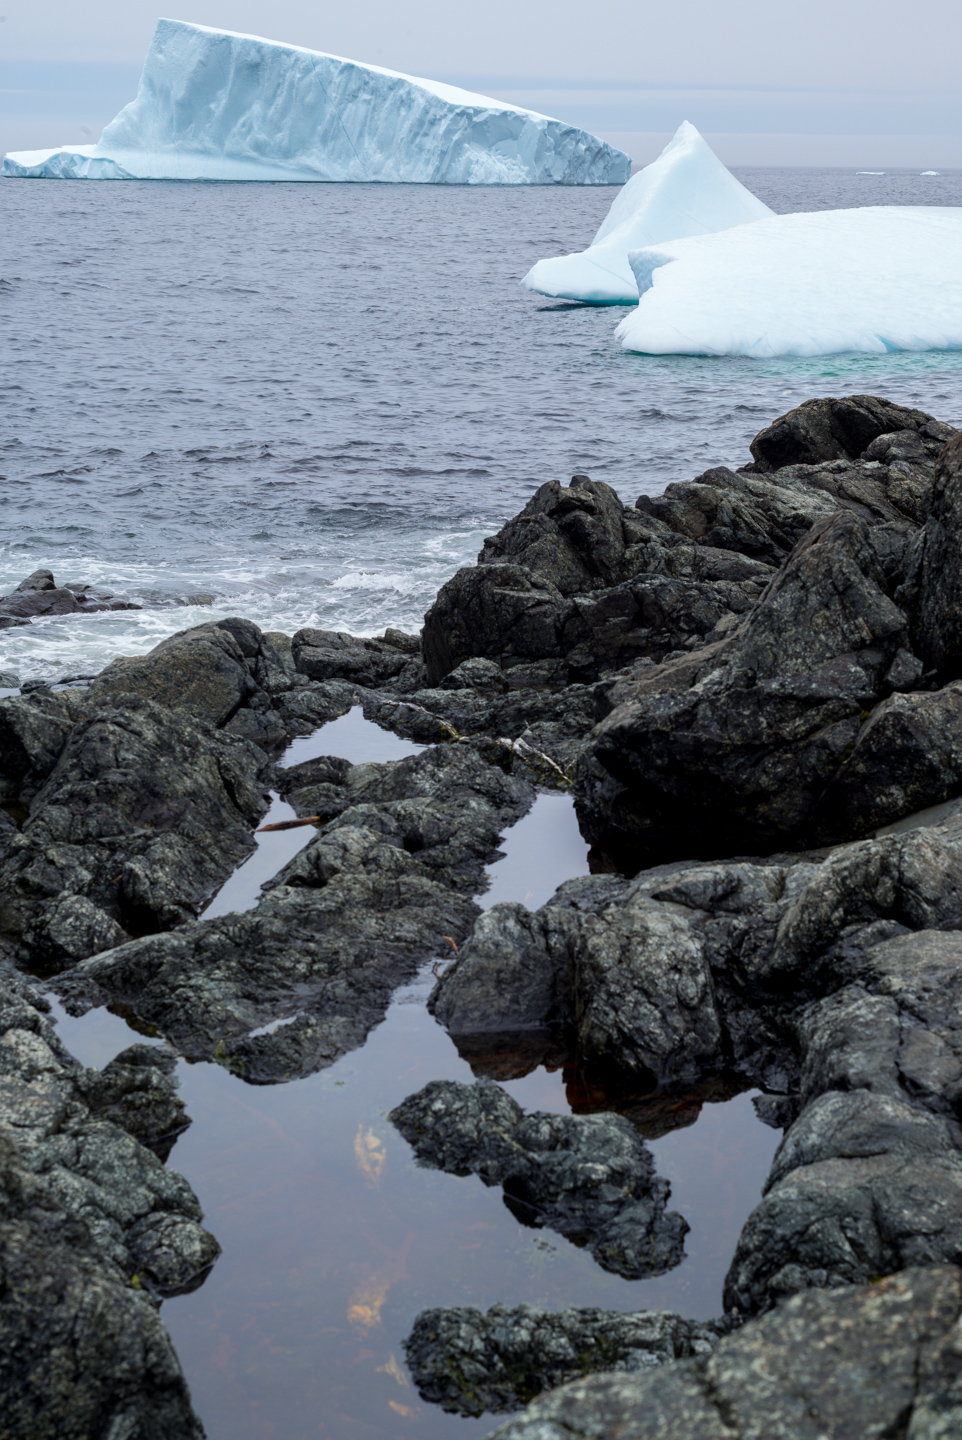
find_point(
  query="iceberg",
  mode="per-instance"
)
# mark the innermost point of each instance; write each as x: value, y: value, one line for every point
x: 215, y: 105
x: 686, y: 191
x: 871, y: 280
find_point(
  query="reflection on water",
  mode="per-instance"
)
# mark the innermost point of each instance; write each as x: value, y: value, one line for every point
x: 334, y: 1239
x: 352, y: 738
x: 543, y: 850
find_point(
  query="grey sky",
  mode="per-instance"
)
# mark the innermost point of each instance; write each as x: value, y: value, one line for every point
x: 815, y: 67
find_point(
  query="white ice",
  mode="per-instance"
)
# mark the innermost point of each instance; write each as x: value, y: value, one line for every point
x: 214, y: 105
x: 686, y: 191
x: 871, y: 280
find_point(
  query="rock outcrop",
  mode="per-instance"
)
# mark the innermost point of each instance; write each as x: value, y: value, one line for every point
x: 389, y: 876
x: 874, y: 1360
x: 591, y: 1178
x: 469, y: 1362
x: 142, y: 816
x: 94, y: 1231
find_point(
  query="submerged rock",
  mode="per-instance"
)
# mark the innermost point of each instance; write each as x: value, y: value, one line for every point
x: 469, y: 1362
x: 591, y: 1178
x: 875, y: 1360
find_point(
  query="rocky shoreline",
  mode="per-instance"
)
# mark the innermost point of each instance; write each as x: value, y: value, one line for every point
x: 752, y: 686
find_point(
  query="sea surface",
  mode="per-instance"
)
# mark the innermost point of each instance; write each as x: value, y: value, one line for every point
x: 309, y: 404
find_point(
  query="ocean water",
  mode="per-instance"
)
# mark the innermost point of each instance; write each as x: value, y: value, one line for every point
x: 308, y: 404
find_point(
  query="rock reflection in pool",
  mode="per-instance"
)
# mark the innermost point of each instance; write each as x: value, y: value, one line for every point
x: 331, y: 1248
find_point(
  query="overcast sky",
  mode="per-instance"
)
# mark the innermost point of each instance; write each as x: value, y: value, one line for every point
x: 801, y: 66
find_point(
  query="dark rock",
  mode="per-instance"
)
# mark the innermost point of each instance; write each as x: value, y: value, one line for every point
x: 40, y: 595
x: 93, y: 1232
x: 736, y: 749
x: 33, y: 732
x: 630, y: 974
x: 143, y: 1220
x: 939, y: 638
x: 335, y: 655
x: 377, y: 892
x: 591, y: 1178
x: 872, y: 1361
x: 869, y: 1177
x: 832, y: 429
x: 469, y: 1362
x: 144, y: 814
x: 208, y: 673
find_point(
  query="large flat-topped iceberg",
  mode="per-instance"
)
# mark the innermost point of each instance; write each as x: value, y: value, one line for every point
x: 686, y: 191
x: 873, y: 280
x: 213, y: 105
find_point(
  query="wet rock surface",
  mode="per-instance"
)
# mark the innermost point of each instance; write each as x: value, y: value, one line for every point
x: 143, y: 815
x: 869, y: 1361
x: 591, y: 1178
x: 469, y: 1362
x: 40, y: 595
x: 388, y: 879
x: 94, y: 1231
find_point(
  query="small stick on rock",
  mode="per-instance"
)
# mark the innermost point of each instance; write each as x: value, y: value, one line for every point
x: 290, y: 824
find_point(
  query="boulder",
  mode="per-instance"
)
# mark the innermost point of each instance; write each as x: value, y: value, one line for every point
x: 40, y: 595
x: 335, y: 655
x: 213, y: 672
x: 843, y: 429
x: 143, y: 815
x: 591, y: 1178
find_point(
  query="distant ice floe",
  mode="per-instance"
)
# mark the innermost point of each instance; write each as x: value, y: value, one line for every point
x: 214, y: 105
x: 871, y: 280
x: 686, y: 191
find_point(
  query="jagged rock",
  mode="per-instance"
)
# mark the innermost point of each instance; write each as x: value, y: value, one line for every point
x: 93, y: 1232
x: 736, y: 750
x: 469, y: 1362
x: 74, y: 1129
x: 335, y: 655
x: 628, y: 974
x: 842, y: 429
x: 870, y: 1361
x: 144, y: 814
x: 39, y: 594
x: 869, y: 1177
x: 591, y: 1178
x: 578, y: 586
x: 33, y: 732
x: 388, y: 877
x: 214, y: 672
x: 939, y: 637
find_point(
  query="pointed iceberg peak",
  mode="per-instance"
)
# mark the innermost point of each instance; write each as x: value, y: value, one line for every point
x: 686, y: 191
x: 215, y: 105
